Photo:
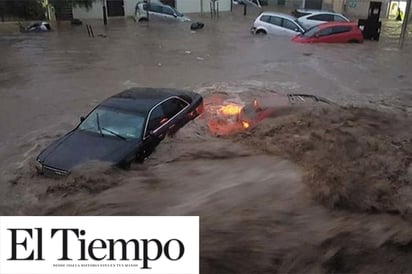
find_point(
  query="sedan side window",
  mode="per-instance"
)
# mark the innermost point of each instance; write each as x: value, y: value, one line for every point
x: 322, y: 17
x: 276, y: 21
x: 156, y: 119
x: 289, y: 25
x: 339, y: 18
x: 265, y: 18
x: 155, y: 8
x: 168, y: 11
x: 325, y: 32
x: 173, y: 106
x: 341, y: 29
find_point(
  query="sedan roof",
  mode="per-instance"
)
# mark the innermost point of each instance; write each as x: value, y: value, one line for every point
x: 141, y: 100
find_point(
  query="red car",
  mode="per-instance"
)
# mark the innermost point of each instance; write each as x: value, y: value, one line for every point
x: 331, y: 32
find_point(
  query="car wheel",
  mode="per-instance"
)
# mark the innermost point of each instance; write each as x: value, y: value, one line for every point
x: 261, y: 32
x: 141, y: 20
x: 126, y: 165
x: 353, y: 41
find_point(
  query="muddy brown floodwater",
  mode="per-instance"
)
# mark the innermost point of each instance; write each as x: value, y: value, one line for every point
x: 325, y: 189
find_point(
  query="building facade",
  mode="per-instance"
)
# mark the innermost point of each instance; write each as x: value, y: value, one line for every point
x: 351, y: 8
x: 119, y: 8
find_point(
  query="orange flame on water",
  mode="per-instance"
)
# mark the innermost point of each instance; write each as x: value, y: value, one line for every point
x: 230, y: 109
x: 245, y: 124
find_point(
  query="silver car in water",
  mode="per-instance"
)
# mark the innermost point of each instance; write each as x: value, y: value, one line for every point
x: 319, y: 17
x: 158, y: 12
x: 276, y: 23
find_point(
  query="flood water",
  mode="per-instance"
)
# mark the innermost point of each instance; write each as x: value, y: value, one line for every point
x: 257, y: 213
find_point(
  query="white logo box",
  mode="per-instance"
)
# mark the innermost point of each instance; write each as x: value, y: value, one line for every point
x: 110, y: 244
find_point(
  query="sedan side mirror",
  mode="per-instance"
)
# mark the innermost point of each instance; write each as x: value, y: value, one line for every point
x: 174, y: 14
x: 82, y: 119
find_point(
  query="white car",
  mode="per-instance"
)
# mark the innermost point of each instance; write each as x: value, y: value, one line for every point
x: 158, y: 12
x: 302, y: 12
x: 319, y: 17
x: 276, y: 23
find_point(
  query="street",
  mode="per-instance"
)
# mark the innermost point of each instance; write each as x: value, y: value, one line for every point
x: 320, y: 191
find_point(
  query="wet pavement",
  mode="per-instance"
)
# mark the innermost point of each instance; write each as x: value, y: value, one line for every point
x: 255, y: 211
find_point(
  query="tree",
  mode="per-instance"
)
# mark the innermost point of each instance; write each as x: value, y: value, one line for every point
x: 22, y: 9
x: 72, y: 3
x: 36, y: 9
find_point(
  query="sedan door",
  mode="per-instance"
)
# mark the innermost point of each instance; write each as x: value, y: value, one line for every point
x: 174, y: 109
x: 341, y: 34
x: 275, y: 26
x: 323, y: 36
x: 336, y: 34
x: 167, y: 117
x: 271, y: 24
x: 155, y: 12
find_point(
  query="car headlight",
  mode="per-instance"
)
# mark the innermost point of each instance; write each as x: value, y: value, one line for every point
x: 38, y: 166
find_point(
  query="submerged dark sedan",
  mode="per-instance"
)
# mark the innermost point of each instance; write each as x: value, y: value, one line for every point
x: 124, y: 128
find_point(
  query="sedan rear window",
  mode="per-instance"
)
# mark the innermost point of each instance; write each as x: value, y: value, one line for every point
x: 172, y: 106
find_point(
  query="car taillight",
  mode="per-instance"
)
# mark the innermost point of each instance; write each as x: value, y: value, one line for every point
x: 255, y: 104
x: 200, y: 108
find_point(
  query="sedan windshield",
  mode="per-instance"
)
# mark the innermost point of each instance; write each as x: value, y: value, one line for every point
x: 299, y: 24
x: 177, y: 13
x: 113, y: 122
x: 311, y: 32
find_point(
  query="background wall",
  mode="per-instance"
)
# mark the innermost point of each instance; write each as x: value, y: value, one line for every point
x: 129, y: 7
x: 184, y: 6
x: 188, y: 6
x: 95, y: 12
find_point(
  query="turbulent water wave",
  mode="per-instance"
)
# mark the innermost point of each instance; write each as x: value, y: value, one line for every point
x: 319, y: 190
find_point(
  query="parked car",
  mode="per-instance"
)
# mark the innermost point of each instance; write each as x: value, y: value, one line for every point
x: 158, y: 12
x: 276, y: 23
x: 316, y: 18
x: 331, y: 32
x: 123, y: 128
x: 257, y: 3
x: 36, y: 27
